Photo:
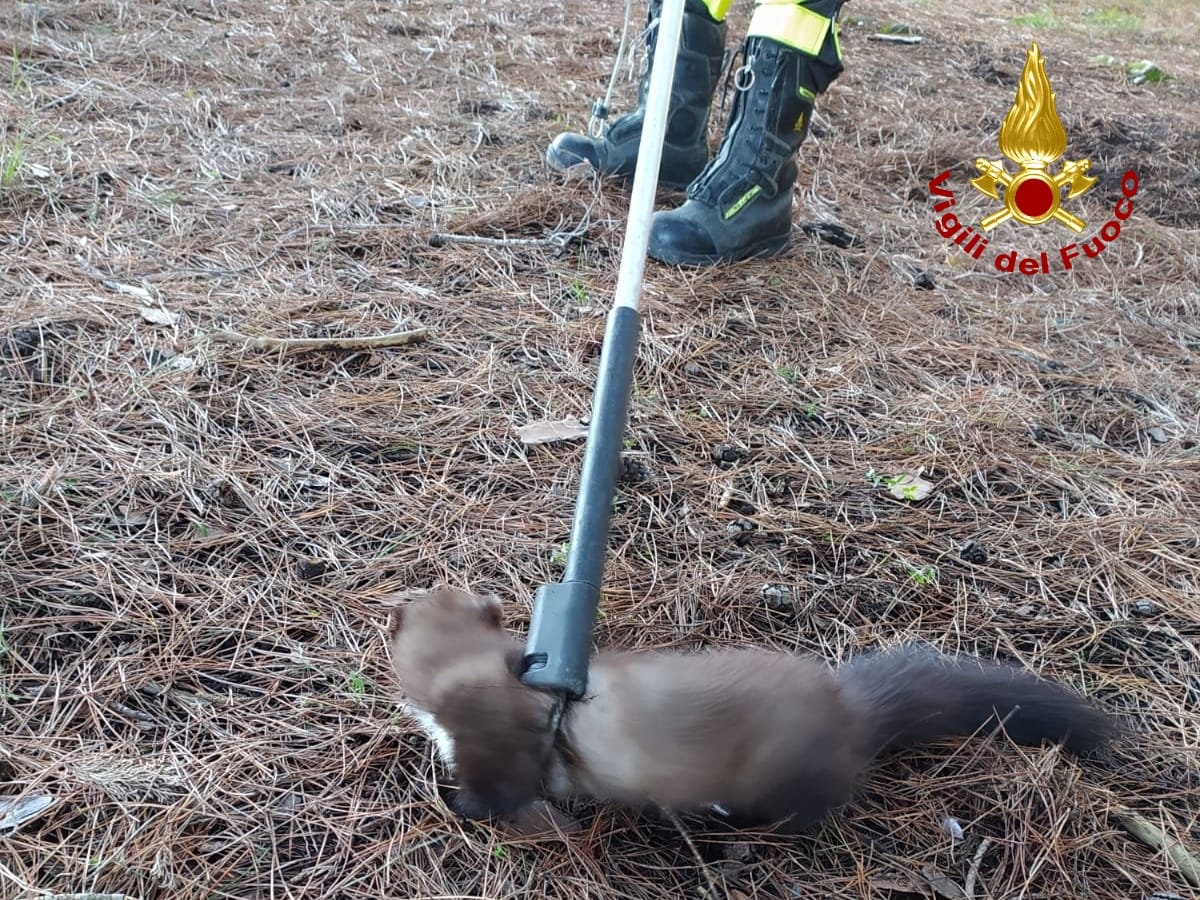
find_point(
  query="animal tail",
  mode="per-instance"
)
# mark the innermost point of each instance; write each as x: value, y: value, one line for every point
x: 911, y: 695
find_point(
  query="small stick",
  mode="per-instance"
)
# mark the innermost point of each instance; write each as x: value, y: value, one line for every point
x: 558, y: 239
x: 438, y: 238
x: 112, y: 284
x: 973, y: 872
x: 1152, y: 836
x: 715, y: 891
x: 135, y: 714
x: 395, y: 339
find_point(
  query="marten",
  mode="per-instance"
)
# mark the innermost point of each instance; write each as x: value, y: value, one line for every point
x: 760, y: 738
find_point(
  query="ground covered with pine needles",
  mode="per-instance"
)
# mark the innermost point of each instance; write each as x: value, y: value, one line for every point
x: 198, y: 539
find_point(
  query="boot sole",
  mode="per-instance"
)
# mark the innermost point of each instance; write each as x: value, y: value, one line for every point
x: 762, y: 250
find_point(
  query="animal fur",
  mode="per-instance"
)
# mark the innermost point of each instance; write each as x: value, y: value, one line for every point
x: 761, y: 737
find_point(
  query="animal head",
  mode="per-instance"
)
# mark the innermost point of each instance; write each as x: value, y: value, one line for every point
x: 443, y: 607
x: 461, y: 674
x: 442, y: 633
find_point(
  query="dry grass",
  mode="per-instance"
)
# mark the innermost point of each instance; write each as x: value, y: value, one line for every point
x: 197, y: 540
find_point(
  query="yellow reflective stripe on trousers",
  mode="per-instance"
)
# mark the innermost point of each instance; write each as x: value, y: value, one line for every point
x: 791, y: 24
x: 718, y: 9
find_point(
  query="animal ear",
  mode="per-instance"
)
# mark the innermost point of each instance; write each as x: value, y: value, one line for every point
x: 395, y: 621
x: 491, y: 609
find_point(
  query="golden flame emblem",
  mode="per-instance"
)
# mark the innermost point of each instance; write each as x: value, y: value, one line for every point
x: 1032, y: 136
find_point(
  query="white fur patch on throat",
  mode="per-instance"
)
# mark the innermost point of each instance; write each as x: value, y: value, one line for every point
x: 435, y: 732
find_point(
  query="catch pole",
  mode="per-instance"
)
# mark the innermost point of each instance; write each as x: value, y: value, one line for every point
x: 564, y: 614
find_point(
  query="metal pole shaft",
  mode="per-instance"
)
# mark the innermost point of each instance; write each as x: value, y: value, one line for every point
x: 564, y: 615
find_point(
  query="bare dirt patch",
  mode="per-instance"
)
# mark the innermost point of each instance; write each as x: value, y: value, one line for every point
x: 197, y: 542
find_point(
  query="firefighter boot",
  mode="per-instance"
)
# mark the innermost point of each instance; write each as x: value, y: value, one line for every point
x: 740, y: 206
x: 685, y: 147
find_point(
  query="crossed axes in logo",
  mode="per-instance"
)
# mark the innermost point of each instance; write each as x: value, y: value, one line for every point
x: 1072, y: 173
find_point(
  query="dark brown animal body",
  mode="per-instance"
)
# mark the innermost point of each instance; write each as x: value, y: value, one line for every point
x: 761, y: 737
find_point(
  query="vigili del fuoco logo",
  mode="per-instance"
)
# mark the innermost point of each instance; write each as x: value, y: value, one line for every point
x: 1033, y: 139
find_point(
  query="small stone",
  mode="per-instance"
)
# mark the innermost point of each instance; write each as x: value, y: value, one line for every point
x: 973, y: 552
x: 1143, y: 607
x: 311, y: 569
x: 158, y: 316
x: 1157, y: 435
x: 743, y: 507
x: 634, y: 470
x: 692, y: 368
x: 728, y: 453
x: 777, y: 596
x: 740, y: 526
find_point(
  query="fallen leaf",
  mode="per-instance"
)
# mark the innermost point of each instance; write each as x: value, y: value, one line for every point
x: 156, y: 316
x: 901, y: 884
x: 909, y: 486
x: 131, y: 289
x: 942, y: 884
x: 16, y: 811
x: 1145, y: 72
x: 545, y: 432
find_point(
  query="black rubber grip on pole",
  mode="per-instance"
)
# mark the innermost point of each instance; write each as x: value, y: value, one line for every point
x: 564, y: 615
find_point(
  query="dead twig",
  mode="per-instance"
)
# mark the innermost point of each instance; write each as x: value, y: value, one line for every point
x: 896, y: 38
x: 973, y: 872
x: 1154, y: 837
x: 558, y: 238
x: 714, y: 890
x: 395, y: 339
